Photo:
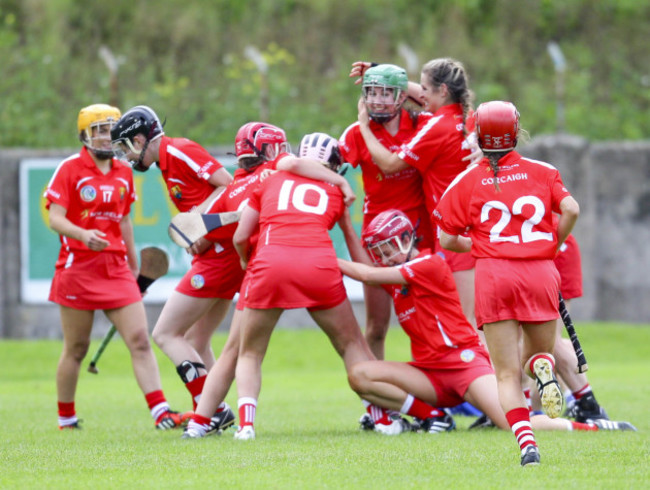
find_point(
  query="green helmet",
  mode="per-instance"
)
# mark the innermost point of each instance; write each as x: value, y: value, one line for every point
x: 386, y: 77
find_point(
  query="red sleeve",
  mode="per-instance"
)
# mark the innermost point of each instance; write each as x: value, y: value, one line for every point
x: 452, y: 212
x: 255, y: 198
x: 427, y: 141
x: 558, y: 191
x: 207, y: 164
x: 349, y: 145
x: 57, y: 189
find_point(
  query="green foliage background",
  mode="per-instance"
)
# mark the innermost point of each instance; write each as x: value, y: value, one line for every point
x: 186, y: 59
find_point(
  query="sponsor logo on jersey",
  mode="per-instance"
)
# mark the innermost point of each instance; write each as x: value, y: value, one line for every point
x: 505, y: 178
x: 203, y: 171
x: 404, y: 315
x: 243, y: 186
x: 467, y: 355
x: 197, y: 281
x: 88, y: 193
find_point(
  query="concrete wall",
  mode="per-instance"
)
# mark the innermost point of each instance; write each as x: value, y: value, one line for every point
x: 610, y: 180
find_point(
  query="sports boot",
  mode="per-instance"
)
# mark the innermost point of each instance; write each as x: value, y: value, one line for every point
x: 587, y: 408
x: 530, y: 456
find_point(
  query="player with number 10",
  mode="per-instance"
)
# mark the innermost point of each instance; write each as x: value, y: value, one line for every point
x: 294, y: 266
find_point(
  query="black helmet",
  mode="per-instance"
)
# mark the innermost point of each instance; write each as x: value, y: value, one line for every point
x: 140, y: 119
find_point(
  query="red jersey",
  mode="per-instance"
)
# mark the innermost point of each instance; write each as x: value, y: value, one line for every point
x: 401, y: 190
x: 515, y: 222
x: 236, y: 196
x: 428, y: 309
x: 569, y: 264
x: 92, y: 200
x: 437, y: 149
x: 186, y: 168
x: 296, y: 211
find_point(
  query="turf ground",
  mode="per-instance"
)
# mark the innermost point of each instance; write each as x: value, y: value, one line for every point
x: 307, y: 435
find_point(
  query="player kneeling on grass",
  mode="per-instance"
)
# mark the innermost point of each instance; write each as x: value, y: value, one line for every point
x: 450, y: 365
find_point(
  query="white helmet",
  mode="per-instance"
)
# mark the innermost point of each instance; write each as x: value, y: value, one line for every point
x: 321, y: 147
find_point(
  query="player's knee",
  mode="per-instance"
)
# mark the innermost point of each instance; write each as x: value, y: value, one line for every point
x: 138, y: 341
x: 358, y: 377
x: 159, y: 337
x: 78, y: 350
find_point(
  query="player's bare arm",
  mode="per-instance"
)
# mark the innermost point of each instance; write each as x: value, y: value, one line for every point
x: 356, y: 250
x: 220, y: 179
x: 455, y: 243
x: 371, y: 275
x: 570, y: 211
x: 126, y: 228
x: 93, y: 239
x: 247, y: 224
x: 310, y: 168
x: 387, y: 161
x: 476, y: 155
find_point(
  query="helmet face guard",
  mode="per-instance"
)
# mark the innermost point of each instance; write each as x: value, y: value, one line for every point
x: 94, y: 125
x: 386, y: 236
x: 382, y: 88
x: 384, y: 250
x: 122, y: 147
x: 259, y: 140
x: 138, y: 120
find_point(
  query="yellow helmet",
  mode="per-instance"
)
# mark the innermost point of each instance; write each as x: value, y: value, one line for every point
x: 94, y: 116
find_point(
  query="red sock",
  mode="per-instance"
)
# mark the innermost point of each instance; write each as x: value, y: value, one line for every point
x: 247, y: 408
x: 581, y: 426
x: 67, y: 414
x: 417, y: 408
x: 195, y: 387
x: 378, y: 415
x: 519, y: 422
x: 200, y: 419
x: 532, y: 360
x: 586, y: 389
x: 66, y: 409
x: 157, y: 404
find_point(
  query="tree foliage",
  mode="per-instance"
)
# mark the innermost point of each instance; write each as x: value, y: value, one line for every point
x: 188, y: 60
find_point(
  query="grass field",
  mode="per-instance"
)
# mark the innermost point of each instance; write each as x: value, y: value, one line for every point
x: 307, y: 435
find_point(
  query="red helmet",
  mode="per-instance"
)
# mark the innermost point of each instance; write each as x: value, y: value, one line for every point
x: 389, y: 227
x: 252, y: 137
x: 497, y: 125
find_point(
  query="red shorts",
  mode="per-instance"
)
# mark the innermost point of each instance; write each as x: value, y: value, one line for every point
x: 217, y: 276
x: 569, y: 265
x: 419, y: 216
x: 95, y: 281
x: 524, y: 290
x: 294, y: 277
x: 452, y: 374
x: 241, y: 302
x: 457, y: 261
